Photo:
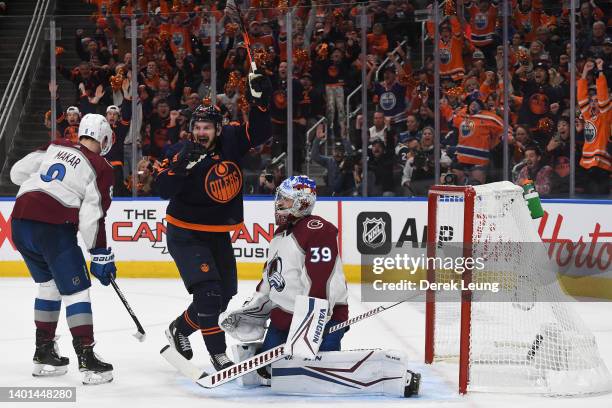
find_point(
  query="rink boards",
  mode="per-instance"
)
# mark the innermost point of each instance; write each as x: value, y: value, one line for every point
x: 136, y: 232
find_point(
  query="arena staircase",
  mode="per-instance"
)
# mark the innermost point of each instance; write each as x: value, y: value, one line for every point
x: 31, y: 132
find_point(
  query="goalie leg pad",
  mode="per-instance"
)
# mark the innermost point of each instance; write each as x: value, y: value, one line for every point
x: 365, y: 372
x: 245, y: 351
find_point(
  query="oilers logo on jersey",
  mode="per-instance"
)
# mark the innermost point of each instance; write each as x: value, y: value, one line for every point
x: 274, y: 270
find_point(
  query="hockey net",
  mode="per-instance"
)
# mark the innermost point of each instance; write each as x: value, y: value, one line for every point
x: 525, y: 338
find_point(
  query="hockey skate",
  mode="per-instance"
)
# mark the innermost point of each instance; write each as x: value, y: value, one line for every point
x: 221, y: 361
x: 47, y: 359
x: 94, y: 370
x: 412, y: 384
x: 179, y: 341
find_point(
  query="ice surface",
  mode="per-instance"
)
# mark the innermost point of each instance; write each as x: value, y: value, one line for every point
x: 143, y: 378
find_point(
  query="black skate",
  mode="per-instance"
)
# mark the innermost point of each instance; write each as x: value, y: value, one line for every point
x: 94, y: 371
x: 221, y: 361
x: 412, y: 384
x: 179, y: 341
x: 47, y: 360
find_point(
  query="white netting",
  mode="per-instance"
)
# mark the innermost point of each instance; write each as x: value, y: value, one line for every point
x: 525, y: 338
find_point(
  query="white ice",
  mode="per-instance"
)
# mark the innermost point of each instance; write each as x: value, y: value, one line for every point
x: 143, y: 378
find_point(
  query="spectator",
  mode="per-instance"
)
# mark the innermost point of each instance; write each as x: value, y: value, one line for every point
x: 333, y: 72
x: 163, y: 130
x: 331, y: 164
x: 483, y: 19
x: 380, y: 164
x: 389, y: 94
x: 594, y: 43
x: 143, y: 179
x: 559, y: 179
x: 597, y: 112
x: 378, y: 44
x: 479, y: 131
x: 413, y: 129
x: 203, y: 84
x: 380, y: 128
x: 540, y: 100
x: 536, y: 171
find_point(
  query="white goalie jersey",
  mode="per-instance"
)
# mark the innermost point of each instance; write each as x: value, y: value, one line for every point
x: 303, y: 260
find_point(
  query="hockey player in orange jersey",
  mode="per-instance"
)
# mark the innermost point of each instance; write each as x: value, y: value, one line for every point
x: 597, y: 112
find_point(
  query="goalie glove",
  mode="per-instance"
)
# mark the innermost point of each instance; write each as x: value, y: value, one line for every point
x: 247, y: 324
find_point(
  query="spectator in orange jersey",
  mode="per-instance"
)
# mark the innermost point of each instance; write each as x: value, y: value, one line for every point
x: 597, y: 112
x: 377, y: 41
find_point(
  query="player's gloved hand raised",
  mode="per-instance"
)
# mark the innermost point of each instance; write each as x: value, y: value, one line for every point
x: 190, y: 154
x: 103, y: 265
x: 260, y: 89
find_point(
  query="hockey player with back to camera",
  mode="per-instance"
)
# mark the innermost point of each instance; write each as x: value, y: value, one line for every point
x: 203, y: 179
x: 303, y: 259
x: 66, y: 187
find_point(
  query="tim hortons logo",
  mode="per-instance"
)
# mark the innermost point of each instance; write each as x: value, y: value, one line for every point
x: 564, y: 251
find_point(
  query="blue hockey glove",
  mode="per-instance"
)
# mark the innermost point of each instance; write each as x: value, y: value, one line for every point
x: 103, y: 265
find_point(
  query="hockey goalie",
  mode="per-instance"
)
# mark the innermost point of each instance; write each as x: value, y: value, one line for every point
x: 303, y: 277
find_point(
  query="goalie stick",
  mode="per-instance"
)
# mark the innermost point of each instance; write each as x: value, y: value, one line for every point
x: 205, y: 380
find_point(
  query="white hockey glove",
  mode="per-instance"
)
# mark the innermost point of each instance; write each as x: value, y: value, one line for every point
x: 247, y: 324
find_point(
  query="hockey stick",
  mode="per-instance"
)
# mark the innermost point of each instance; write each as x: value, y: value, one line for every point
x: 233, y: 7
x: 205, y: 380
x: 140, y: 334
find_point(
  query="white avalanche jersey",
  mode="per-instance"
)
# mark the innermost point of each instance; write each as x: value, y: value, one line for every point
x: 304, y: 260
x: 62, y: 183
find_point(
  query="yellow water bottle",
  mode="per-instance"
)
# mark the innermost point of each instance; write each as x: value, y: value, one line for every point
x: 533, y: 199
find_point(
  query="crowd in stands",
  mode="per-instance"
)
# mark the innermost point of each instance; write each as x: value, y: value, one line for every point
x: 173, y: 76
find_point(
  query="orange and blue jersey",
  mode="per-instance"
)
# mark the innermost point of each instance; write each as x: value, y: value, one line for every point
x: 482, y: 24
x: 596, y: 149
x: 209, y: 198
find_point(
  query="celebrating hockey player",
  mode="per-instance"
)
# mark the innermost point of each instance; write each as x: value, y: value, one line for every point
x: 203, y: 180
x: 66, y: 187
x: 304, y: 261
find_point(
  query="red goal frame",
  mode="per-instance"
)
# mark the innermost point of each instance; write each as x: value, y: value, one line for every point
x: 468, y: 193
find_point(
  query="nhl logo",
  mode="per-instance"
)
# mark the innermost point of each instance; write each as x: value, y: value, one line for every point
x: 373, y: 234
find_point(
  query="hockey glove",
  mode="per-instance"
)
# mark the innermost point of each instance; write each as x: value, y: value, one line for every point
x: 103, y: 265
x: 190, y: 154
x: 247, y: 323
x: 260, y: 89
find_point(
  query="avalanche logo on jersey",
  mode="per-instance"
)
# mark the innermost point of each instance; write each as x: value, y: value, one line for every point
x: 223, y: 181
x: 374, y: 232
x: 274, y: 270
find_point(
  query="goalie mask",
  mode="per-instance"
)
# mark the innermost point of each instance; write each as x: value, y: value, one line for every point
x: 295, y: 198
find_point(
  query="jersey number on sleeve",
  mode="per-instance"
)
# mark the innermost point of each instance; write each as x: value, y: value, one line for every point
x: 55, y: 172
x: 320, y: 254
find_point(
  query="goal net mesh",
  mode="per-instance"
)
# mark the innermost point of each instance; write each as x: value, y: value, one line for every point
x: 525, y: 337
